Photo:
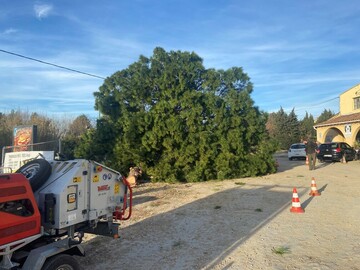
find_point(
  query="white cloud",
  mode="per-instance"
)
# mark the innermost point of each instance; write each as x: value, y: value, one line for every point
x: 42, y: 10
x: 10, y: 31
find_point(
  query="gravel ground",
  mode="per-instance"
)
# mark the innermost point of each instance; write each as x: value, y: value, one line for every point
x: 240, y: 223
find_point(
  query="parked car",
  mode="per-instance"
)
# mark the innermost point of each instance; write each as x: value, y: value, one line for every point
x: 357, y: 154
x: 297, y: 150
x: 335, y: 151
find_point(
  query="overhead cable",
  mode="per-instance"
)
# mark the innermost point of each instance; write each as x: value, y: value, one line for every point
x: 51, y: 64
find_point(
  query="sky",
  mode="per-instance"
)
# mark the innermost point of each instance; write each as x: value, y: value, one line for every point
x: 299, y: 55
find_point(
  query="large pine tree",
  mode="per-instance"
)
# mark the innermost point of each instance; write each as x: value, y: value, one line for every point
x: 180, y: 121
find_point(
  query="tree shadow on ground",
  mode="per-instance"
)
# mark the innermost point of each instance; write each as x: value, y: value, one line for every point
x: 320, y: 165
x: 137, y: 192
x: 209, y: 229
x: 285, y: 164
x: 143, y: 199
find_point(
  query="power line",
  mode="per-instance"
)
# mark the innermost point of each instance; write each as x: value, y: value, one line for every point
x: 51, y: 64
x: 99, y: 77
x: 314, y: 105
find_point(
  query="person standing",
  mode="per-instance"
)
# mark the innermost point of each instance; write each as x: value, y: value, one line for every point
x: 310, y: 149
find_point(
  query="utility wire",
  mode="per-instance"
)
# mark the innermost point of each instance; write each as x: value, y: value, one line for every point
x: 99, y: 77
x: 324, y: 101
x: 316, y: 105
x: 50, y: 64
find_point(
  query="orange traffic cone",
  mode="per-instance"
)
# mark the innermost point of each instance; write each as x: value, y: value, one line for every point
x: 296, y: 205
x: 307, y: 160
x: 314, y: 191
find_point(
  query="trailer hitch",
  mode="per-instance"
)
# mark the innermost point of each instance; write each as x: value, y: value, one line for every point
x: 73, y: 241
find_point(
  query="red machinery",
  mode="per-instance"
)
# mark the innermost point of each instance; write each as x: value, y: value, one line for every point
x: 19, y: 214
x: 46, y: 208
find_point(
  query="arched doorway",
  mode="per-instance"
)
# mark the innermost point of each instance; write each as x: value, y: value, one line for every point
x: 357, y: 139
x: 334, y: 134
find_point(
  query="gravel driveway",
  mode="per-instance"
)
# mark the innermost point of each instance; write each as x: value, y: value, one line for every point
x: 240, y: 223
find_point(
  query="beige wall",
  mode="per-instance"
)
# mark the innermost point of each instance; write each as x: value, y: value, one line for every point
x: 337, y: 133
x: 347, y: 100
x: 345, y: 132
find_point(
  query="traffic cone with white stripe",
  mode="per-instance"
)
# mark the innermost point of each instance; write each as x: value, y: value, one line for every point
x: 296, y: 205
x: 314, y: 191
x: 307, y: 160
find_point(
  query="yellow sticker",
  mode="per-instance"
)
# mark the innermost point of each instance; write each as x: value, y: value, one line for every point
x: 117, y: 188
x: 77, y: 179
x: 96, y: 178
x: 71, y: 198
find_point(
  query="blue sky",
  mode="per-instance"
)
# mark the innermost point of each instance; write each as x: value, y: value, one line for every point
x: 298, y: 54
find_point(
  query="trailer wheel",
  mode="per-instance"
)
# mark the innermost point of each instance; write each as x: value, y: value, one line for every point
x: 37, y: 171
x: 61, y: 262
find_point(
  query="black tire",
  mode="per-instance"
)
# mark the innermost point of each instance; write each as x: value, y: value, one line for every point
x: 61, y: 262
x: 37, y: 171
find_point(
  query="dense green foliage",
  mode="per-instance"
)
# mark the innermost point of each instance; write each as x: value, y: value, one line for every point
x: 180, y: 121
x: 307, y: 127
x: 285, y: 129
x: 5, y: 133
x: 49, y: 131
x: 176, y: 120
x: 325, y: 115
x: 46, y: 127
x: 71, y: 139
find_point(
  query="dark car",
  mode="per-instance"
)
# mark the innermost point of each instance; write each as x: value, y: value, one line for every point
x: 335, y: 151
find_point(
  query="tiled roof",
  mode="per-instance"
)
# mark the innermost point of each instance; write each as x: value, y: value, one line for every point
x: 340, y: 119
